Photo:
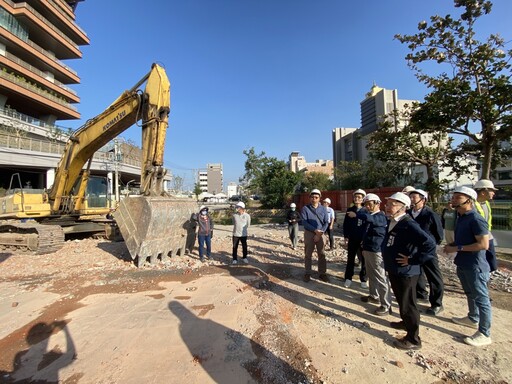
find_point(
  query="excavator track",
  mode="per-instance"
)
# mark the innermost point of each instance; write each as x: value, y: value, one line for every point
x: 31, y: 236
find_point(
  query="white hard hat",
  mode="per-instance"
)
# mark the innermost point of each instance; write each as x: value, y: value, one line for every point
x: 327, y: 200
x: 315, y: 192
x: 408, y: 189
x: 484, y: 184
x: 203, y: 207
x: 372, y: 197
x: 420, y: 192
x: 466, y: 191
x: 359, y: 192
x: 401, y: 197
x: 293, y: 205
x: 241, y: 204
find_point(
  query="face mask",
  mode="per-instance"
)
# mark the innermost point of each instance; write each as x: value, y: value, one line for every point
x: 293, y: 208
x: 204, y: 213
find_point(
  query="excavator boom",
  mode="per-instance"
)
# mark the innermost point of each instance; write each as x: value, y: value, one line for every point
x: 152, y: 224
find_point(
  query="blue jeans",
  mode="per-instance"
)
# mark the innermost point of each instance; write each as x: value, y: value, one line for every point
x: 202, y: 240
x: 474, y: 282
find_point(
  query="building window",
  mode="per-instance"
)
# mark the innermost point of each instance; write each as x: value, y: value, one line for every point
x: 504, y: 175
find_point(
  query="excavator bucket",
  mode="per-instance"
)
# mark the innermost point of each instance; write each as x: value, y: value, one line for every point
x: 155, y: 227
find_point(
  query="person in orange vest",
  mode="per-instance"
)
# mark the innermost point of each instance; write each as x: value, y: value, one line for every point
x: 485, y: 191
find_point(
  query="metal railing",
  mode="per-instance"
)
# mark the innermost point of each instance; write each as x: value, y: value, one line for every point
x: 33, y: 69
x: 41, y: 92
x: 49, y: 146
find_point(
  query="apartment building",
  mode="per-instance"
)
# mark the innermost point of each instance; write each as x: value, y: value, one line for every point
x: 297, y: 163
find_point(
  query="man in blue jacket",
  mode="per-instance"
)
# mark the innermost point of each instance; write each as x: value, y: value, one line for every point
x: 406, y: 247
x: 315, y: 220
x: 376, y: 223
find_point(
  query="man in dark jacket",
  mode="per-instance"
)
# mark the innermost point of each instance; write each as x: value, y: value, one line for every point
x: 406, y: 247
x: 293, y: 218
x: 353, y: 231
x: 430, y: 222
x: 376, y: 223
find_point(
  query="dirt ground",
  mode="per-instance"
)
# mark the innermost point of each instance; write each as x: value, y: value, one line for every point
x: 86, y: 314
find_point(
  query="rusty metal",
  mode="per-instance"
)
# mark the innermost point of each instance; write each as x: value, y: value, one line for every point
x: 154, y: 227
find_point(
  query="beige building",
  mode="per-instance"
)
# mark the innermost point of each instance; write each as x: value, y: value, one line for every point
x: 298, y: 163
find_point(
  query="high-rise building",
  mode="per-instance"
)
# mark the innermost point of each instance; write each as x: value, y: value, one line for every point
x: 215, y: 178
x: 36, y: 37
x: 349, y: 144
x: 211, y: 179
x: 344, y: 145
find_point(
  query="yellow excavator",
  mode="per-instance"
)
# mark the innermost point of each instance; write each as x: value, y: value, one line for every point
x: 153, y: 224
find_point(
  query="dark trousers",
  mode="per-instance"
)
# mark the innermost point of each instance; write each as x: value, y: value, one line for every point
x: 353, y: 250
x: 404, y: 288
x: 490, y: 255
x: 435, y: 280
x: 236, y: 241
x: 330, y: 235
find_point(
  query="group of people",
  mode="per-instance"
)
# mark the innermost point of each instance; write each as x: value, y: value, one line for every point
x: 397, y: 251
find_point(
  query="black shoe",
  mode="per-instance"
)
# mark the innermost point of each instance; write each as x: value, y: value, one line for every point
x: 406, y: 344
x: 397, y: 325
x: 434, y: 311
x: 381, y: 311
x: 370, y: 299
x: 324, y: 278
x: 307, y: 278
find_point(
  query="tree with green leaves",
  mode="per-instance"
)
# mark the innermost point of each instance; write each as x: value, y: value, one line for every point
x: 406, y: 140
x: 270, y: 178
x: 312, y: 180
x: 197, y: 190
x: 370, y: 174
x: 473, y: 83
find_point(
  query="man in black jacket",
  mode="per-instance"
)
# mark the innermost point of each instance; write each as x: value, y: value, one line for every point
x: 293, y: 218
x: 405, y: 248
x: 353, y: 231
x: 430, y: 222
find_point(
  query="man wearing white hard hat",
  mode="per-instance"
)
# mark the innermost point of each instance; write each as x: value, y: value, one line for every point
x: 315, y: 220
x: 405, y: 248
x: 293, y: 218
x: 431, y: 223
x: 485, y: 192
x: 471, y: 242
x: 353, y: 231
x: 241, y: 224
x: 330, y: 229
x: 378, y: 283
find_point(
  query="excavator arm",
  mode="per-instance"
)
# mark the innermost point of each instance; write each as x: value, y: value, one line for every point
x: 152, y: 106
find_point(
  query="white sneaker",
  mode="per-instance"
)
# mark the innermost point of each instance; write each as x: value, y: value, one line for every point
x: 478, y: 340
x: 234, y: 262
x: 348, y: 283
x: 364, y: 284
x: 466, y: 321
x: 245, y: 261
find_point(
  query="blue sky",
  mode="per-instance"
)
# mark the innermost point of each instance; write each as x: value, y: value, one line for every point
x: 276, y: 75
